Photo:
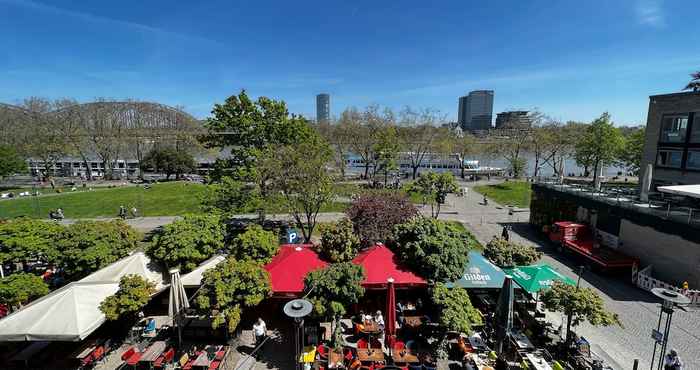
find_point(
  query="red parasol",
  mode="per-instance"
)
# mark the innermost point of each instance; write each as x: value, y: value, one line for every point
x: 390, y: 322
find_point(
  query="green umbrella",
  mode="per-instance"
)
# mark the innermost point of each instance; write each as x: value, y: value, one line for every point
x: 537, y: 277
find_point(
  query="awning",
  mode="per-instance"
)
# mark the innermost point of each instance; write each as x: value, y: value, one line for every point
x: 194, y: 277
x: 380, y: 264
x: 537, y: 277
x: 290, y: 266
x: 692, y: 191
x: 480, y: 273
x: 72, y: 312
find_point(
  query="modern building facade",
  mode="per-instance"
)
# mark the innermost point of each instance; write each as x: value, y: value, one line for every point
x: 513, y: 119
x: 323, y: 108
x: 475, y: 111
x: 672, y: 143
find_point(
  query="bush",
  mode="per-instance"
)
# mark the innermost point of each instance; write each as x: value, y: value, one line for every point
x: 339, y: 242
x: 18, y: 289
x: 133, y: 294
x: 25, y: 240
x: 334, y: 288
x: 188, y: 242
x: 374, y: 215
x: 507, y: 254
x: 437, y: 250
x: 88, y: 246
x: 255, y: 244
x: 455, y: 308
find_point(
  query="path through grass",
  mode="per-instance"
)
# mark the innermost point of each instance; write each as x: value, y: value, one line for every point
x: 510, y: 193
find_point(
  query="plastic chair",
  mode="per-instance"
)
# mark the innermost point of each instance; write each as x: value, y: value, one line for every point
x: 128, y: 353
x: 214, y: 365
x: 322, y: 351
x: 362, y: 343
x: 134, y: 359
x: 399, y: 345
x: 86, y: 361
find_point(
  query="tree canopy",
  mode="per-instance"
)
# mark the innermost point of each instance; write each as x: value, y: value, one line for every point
x: 187, y: 242
x: 600, y: 144
x: 455, y: 308
x: 503, y: 253
x: 338, y: 241
x: 433, y: 248
x: 169, y: 161
x: 694, y: 83
x: 19, y: 288
x: 334, y: 288
x: 228, y: 197
x: 434, y: 188
x: 88, y: 246
x: 375, y: 214
x: 229, y: 288
x: 630, y: 155
x: 255, y: 244
x: 10, y: 162
x: 25, y: 240
x: 133, y: 294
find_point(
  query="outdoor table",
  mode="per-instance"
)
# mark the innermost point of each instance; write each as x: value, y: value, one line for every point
x: 538, y: 362
x: 477, y: 343
x: 151, y: 353
x: 370, y: 355
x: 521, y: 340
x: 370, y: 327
x: 405, y: 356
x: 335, y: 360
x: 85, y: 349
x: 308, y: 354
x: 413, y: 321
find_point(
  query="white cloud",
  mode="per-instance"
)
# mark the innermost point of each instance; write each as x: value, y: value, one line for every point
x: 650, y: 13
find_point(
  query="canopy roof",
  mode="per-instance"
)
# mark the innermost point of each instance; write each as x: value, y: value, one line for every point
x: 289, y: 267
x: 692, y: 191
x: 380, y: 264
x: 72, y: 312
x: 480, y: 273
x: 537, y: 277
x: 194, y: 277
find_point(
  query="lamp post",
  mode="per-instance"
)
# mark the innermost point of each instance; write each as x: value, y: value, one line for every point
x: 297, y: 309
x: 671, y: 299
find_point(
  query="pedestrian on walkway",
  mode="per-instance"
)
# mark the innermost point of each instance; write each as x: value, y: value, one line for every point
x: 260, y: 332
x: 672, y: 361
x: 504, y: 234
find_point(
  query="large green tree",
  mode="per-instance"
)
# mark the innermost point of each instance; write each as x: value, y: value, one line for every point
x: 10, y: 162
x: 434, y: 187
x: 187, y: 242
x: 600, y: 144
x: 229, y: 197
x: 455, y: 308
x: 504, y: 253
x: 25, y: 240
x: 339, y: 242
x: 630, y: 155
x: 229, y: 288
x: 19, y: 288
x: 387, y: 152
x: 169, y: 161
x: 255, y: 244
x: 133, y: 294
x: 435, y: 249
x: 88, y: 246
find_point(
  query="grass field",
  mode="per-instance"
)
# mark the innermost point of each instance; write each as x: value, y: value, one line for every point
x: 515, y: 193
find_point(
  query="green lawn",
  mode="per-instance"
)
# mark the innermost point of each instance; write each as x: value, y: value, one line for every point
x: 515, y: 193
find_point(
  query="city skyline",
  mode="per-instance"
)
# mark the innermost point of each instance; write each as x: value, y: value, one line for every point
x: 569, y: 69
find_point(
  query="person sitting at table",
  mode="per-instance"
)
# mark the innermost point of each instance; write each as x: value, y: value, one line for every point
x: 379, y: 319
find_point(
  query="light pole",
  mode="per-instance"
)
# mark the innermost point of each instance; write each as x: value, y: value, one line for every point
x: 671, y: 299
x: 298, y: 309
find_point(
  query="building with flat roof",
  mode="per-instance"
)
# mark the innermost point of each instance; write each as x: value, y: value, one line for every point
x: 672, y: 143
x: 513, y: 119
x: 323, y: 108
x: 475, y: 111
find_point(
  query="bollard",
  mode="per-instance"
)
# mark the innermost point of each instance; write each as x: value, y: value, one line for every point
x: 636, y: 364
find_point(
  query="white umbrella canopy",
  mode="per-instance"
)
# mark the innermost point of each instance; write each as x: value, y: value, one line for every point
x: 178, y: 300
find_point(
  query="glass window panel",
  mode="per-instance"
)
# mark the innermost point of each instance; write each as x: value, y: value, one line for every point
x: 695, y: 132
x: 669, y: 158
x: 673, y: 129
x: 693, y: 161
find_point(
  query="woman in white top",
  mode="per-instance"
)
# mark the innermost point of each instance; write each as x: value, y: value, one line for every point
x: 379, y: 319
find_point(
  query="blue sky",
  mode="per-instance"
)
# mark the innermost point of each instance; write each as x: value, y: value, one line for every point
x: 571, y: 59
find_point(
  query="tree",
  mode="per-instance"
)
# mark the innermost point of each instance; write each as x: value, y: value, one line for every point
x: 10, y: 162
x: 630, y: 155
x: 363, y: 128
x: 455, y: 308
x: 332, y: 289
x: 20, y: 288
x: 600, y: 144
x: 419, y: 132
x: 229, y: 288
x: 42, y: 136
x: 245, y: 126
x: 229, y: 197
x: 579, y: 304
x: 338, y: 135
x: 434, y: 188
x: 387, y: 152
x: 169, y: 161
x: 374, y: 215
x: 255, y: 244
x: 88, y: 246
x: 25, y: 240
x: 339, y: 242
x: 560, y: 144
x: 435, y: 249
x: 304, y: 181
x: 461, y: 146
x: 508, y: 254
x: 514, y: 143
x: 187, y: 242
x: 694, y: 83
x: 133, y: 294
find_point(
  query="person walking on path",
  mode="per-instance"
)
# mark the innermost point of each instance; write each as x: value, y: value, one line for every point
x: 672, y: 361
x: 505, y: 234
x: 260, y: 332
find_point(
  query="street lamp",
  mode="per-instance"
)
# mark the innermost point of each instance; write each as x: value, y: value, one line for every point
x: 671, y: 299
x: 298, y: 309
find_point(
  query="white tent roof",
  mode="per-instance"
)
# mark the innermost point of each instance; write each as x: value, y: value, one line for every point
x: 194, y: 277
x: 72, y: 312
x: 686, y: 190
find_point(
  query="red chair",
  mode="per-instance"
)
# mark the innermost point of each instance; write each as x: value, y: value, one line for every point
x: 86, y: 361
x: 322, y: 352
x: 128, y: 353
x: 214, y: 365
x: 98, y: 353
x: 347, y: 354
x: 362, y: 343
x: 220, y: 355
x: 134, y: 359
x: 399, y: 345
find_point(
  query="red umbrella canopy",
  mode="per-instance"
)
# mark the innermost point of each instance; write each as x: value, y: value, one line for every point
x: 290, y: 266
x: 390, y: 322
x: 380, y: 264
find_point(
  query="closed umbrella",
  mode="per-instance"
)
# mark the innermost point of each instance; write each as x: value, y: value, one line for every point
x: 178, y: 300
x: 390, y: 322
x: 504, y: 313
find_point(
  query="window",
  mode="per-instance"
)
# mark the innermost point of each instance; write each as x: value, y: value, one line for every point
x: 669, y: 158
x: 693, y: 162
x: 695, y: 131
x: 673, y: 129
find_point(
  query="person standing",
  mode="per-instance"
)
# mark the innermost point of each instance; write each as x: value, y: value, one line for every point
x: 379, y: 319
x: 504, y: 234
x: 672, y: 361
x: 260, y: 332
